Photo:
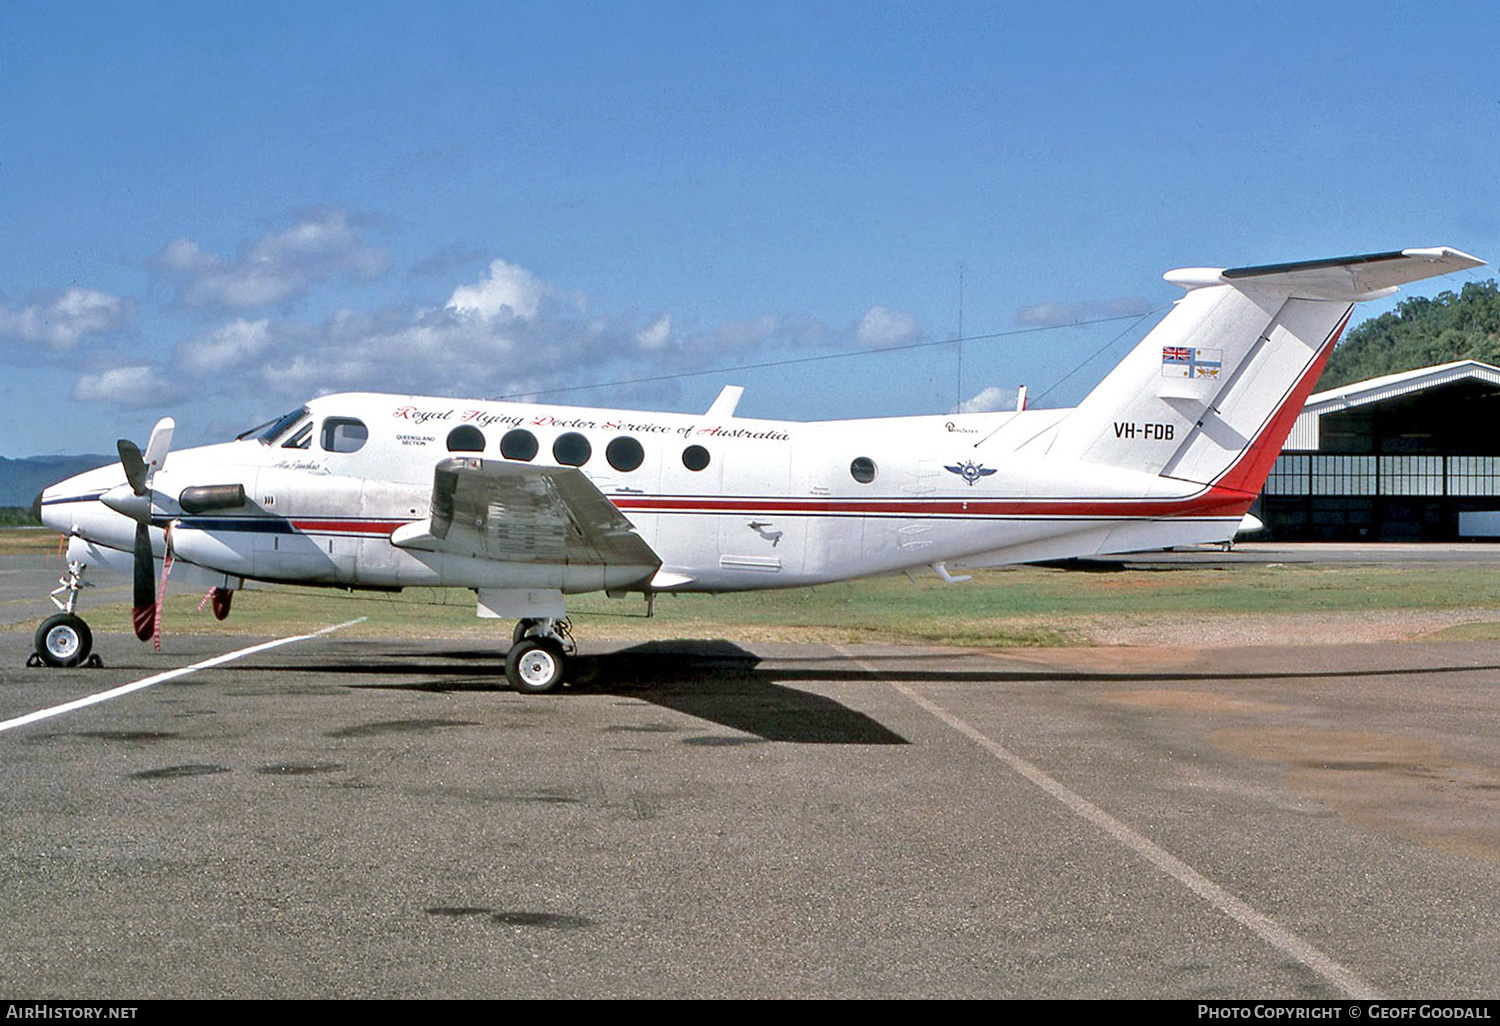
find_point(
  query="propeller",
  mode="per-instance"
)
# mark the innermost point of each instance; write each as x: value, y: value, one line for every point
x: 134, y: 499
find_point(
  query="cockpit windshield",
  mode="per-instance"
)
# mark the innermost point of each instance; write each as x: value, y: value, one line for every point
x: 271, y: 430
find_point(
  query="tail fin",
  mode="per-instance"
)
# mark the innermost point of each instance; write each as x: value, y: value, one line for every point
x: 1211, y: 394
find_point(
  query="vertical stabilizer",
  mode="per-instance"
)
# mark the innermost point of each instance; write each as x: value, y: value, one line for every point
x: 1211, y: 393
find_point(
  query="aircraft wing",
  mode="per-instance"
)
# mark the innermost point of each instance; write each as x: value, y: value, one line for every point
x: 520, y: 513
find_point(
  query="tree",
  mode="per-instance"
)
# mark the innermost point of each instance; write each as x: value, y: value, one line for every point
x: 1420, y: 332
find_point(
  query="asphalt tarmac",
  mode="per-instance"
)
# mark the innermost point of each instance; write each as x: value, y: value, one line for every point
x: 341, y: 818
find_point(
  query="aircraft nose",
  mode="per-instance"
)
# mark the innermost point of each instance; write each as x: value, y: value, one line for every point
x: 36, y: 508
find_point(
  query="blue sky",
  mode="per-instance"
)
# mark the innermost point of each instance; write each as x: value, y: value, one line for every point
x: 217, y: 210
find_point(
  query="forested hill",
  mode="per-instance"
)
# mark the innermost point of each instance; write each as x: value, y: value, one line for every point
x: 1420, y: 332
x: 20, y: 480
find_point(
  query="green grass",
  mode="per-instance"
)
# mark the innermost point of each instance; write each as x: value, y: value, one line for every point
x: 1026, y: 605
x: 14, y: 540
x: 1016, y: 606
x: 1020, y: 606
x: 1482, y: 631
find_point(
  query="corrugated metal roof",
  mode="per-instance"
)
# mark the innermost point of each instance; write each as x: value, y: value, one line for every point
x: 1391, y: 385
x: 1305, y: 436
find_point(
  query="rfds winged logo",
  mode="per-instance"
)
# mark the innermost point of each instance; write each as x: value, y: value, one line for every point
x: 969, y: 471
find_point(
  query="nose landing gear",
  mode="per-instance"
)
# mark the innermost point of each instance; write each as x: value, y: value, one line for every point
x: 64, y: 639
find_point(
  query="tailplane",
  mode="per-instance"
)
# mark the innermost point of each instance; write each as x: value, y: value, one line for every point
x: 1211, y: 394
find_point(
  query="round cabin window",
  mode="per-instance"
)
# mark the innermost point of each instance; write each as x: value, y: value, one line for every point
x: 624, y: 453
x: 519, y: 444
x: 466, y: 438
x: 572, y: 449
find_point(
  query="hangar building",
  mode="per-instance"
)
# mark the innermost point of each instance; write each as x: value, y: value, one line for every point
x: 1406, y: 457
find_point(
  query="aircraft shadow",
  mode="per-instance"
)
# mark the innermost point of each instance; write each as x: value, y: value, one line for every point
x: 723, y: 683
x: 726, y: 684
x: 715, y: 681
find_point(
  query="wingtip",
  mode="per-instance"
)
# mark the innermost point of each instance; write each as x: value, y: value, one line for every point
x: 1444, y: 253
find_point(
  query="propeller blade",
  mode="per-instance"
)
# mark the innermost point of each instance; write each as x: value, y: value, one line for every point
x: 139, y: 469
x: 143, y: 616
x: 134, y: 464
x: 160, y: 443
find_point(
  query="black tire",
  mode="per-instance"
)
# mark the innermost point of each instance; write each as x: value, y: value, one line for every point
x: 63, y: 640
x: 535, y: 666
x: 523, y: 628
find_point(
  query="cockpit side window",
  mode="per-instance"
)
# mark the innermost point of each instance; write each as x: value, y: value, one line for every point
x: 299, y: 439
x: 272, y: 430
x: 344, y: 434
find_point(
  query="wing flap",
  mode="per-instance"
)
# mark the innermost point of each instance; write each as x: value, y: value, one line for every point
x: 520, y: 513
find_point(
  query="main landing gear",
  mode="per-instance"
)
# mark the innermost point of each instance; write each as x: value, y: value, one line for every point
x: 536, y: 662
x: 64, y: 639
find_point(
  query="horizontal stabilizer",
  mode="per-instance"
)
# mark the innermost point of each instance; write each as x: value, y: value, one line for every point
x: 1346, y: 279
x: 1211, y: 393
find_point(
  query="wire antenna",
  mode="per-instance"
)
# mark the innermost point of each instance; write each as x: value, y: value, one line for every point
x: 798, y: 360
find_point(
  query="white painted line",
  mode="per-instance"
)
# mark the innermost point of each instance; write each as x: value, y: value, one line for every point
x: 182, y: 671
x: 1261, y: 925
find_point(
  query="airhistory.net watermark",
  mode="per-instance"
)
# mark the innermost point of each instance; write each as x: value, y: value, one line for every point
x: 46, y: 1010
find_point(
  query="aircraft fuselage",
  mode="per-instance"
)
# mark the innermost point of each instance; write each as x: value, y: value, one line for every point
x: 727, y: 503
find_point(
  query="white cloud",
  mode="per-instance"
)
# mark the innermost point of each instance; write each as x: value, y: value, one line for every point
x: 297, y: 376
x: 657, y: 335
x: 61, y: 322
x: 187, y: 256
x: 232, y: 345
x: 508, y: 291
x: 989, y: 400
x: 275, y: 268
x: 1048, y: 315
x: 882, y: 327
x: 138, y: 385
x: 509, y: 333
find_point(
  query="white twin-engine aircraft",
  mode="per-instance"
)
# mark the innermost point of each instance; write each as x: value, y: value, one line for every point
x: 526, y: 504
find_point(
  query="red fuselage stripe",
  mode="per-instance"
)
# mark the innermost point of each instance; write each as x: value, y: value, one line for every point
x: 346, y: 526
x: 1212, y: 503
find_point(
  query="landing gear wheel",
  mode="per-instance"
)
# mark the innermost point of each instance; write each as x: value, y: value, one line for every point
x: 523, y: 628
x: 534, y: 666
x: 63, y: 640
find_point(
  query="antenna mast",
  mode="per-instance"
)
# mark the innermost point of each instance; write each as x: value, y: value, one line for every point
x: 958, y: 402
